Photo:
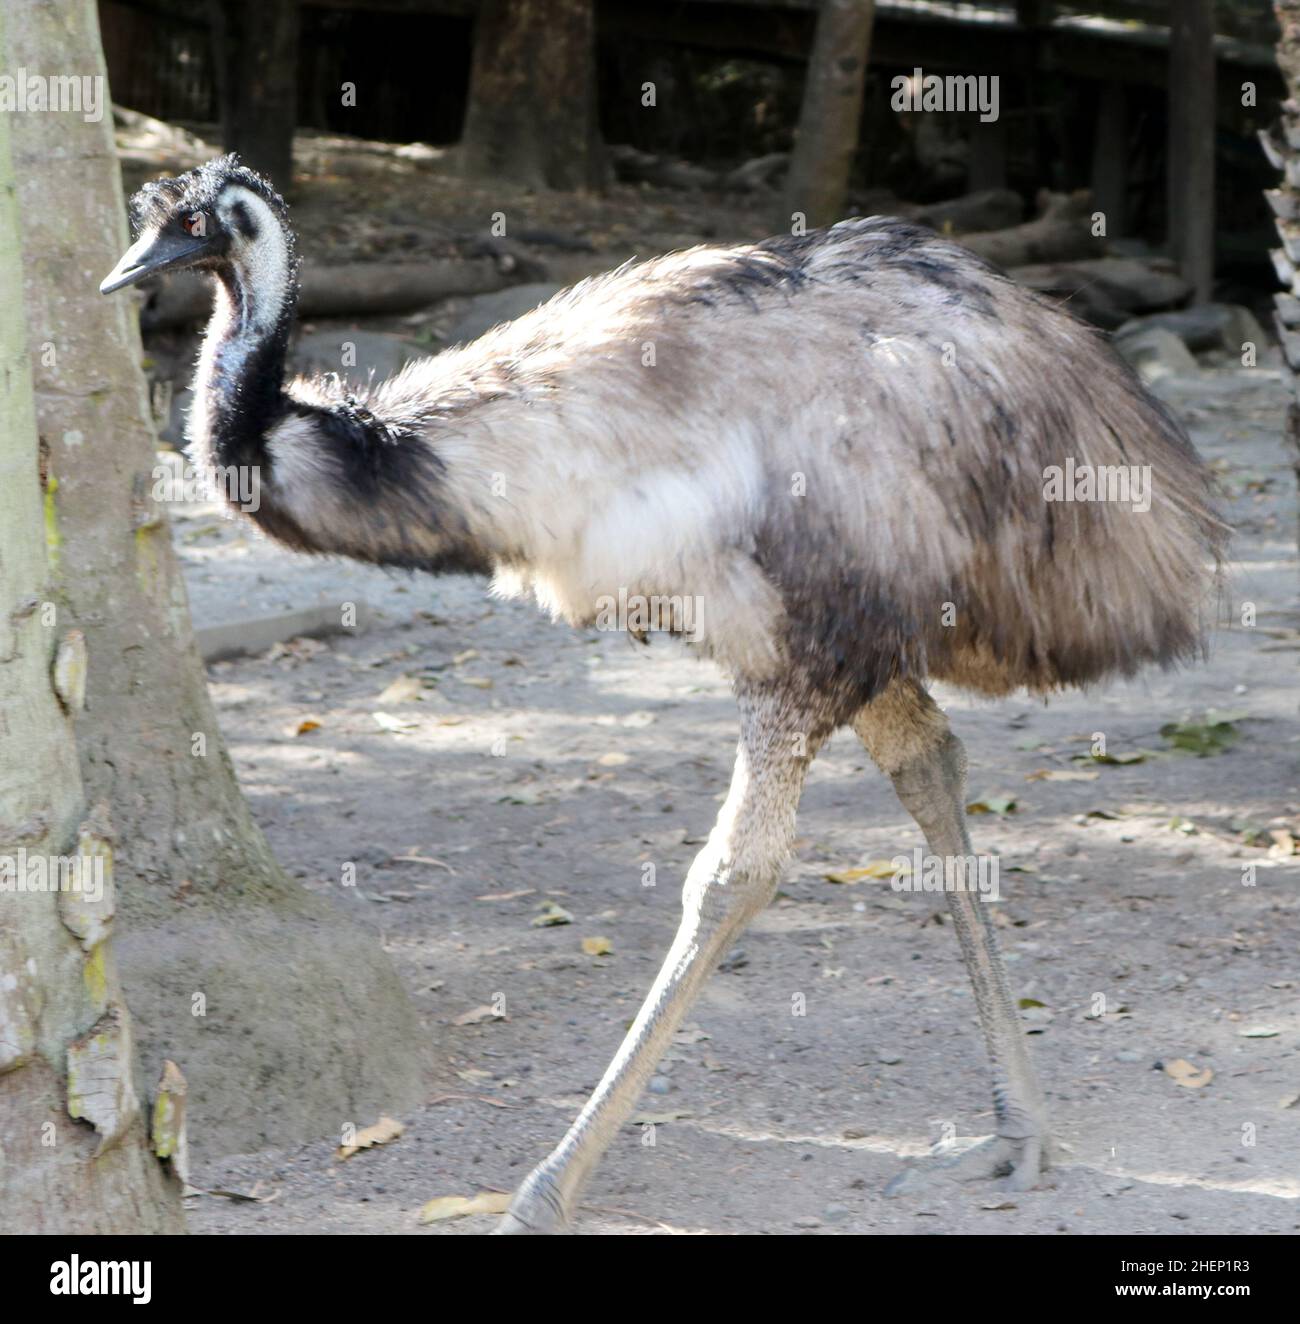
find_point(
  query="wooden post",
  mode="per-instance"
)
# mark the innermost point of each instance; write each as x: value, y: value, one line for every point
x: 987, y: 165
x: 1110, y: 158
x: 1190, y: 192
x: 255, y: 45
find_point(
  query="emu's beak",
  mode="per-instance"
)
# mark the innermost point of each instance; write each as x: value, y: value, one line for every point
x: 150, y: 254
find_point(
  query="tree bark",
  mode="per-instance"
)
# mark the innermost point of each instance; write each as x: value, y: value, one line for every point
x: 829, y: 117
x: 531, y: 113
x: 1283, y: 151
x: 231, y: 969
x: 67, y: 1165
x: 255, y: 49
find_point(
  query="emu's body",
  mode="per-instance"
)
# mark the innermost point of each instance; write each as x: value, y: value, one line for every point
x: 835, y: 443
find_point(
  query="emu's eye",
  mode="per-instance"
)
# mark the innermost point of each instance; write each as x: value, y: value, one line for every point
x: 196, y: 224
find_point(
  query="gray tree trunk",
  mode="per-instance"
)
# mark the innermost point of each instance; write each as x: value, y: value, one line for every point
x: 287, y: 1020
x: 827, y: 139
x: 74, y: 1150
x: 531, y: 114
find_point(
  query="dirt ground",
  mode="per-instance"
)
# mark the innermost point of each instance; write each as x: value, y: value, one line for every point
x: 522, y: 763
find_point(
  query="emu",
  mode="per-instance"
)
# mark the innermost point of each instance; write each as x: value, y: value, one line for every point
x: 838, y: 446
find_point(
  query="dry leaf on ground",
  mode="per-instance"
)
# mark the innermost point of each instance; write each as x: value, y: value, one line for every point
x: 460, y: 1206
x: 1182, y: 1072
x: 385, y: 1130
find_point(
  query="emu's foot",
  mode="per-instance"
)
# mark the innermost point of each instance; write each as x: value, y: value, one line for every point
x: 535, y: 1211
x: 1021, y: 1160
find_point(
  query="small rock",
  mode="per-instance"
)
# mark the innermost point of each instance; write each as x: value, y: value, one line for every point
x: 659, y: 1085
x: 354, y: 355
x: 1155, y: 352
x: 488, y: 310
x: 1128, y: 1055
x: 1206, y: 326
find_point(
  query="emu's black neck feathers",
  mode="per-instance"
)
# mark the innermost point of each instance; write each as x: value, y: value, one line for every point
x: 331, y: 476
x: 242, y: 375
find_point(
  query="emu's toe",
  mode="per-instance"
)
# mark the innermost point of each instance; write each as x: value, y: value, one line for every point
x: 1020, y: 1160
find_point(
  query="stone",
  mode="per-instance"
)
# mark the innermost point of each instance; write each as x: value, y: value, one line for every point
x: 488, y: 310
x: 1205, y: 326
x: 1155, y: 352
x: 355, y: 355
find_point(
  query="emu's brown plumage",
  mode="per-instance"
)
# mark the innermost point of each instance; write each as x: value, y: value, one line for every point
x: 846, y: 446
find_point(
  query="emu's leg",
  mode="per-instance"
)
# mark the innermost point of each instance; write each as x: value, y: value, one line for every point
x: 908, y: 736
x: 729, y: 882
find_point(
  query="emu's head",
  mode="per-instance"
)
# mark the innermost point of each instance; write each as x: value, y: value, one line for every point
x: 221, y: 216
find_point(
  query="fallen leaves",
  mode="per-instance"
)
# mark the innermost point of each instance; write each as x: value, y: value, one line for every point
x: 397, y: 725
x: 1054, y: 775
x: 480, y: 1015
x: 1284, y: 844
x: 992, y: 804
x: 384, y: 1132
x: 597, y: 946
x: 405, y: 689
x: 552, y: 914
x: 444, y: 1207
x: 1184, y: 1073
x: 872, y: 869
x: 1214, y: 735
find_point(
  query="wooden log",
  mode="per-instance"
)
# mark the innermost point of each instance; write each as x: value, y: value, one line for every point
x: 984, y: 209
x: 1061, y: 231
x: 352, y: 289
x: 1134, y: 285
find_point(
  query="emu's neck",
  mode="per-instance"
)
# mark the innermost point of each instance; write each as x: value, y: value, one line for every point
x: 239, y: 389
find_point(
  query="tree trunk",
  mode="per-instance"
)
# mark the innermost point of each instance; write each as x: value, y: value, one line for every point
x: 69, y: 1163
x: 1284, y: 152
x: 531, y: 114
x: 255, y: 53
x: 1189, y: 197
x: 231, y: 969
x: 827, y: 139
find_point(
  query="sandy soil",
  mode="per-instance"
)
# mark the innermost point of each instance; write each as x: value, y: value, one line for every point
x: 542, y: 765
